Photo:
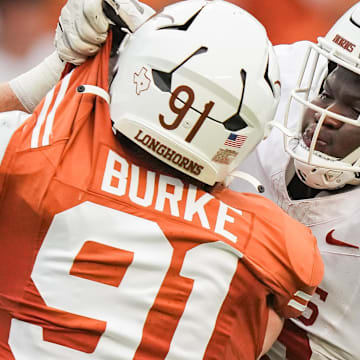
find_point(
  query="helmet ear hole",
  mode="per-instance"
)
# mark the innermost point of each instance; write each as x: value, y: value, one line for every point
x: 162, y: 80
x: 235, y: 123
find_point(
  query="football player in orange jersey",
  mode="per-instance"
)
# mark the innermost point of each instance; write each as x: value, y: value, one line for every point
x: 119, y: 237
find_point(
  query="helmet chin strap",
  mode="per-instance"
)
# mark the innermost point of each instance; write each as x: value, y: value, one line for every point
x: 331, y: 178
x: 247, y: 177
x: 323, y: 175
x: 354, y: 159
x: 94, y: 90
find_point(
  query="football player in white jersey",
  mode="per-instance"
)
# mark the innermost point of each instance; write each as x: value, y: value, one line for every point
x: 316, y: 179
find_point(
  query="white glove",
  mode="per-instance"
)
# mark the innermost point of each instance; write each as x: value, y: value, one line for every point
x: 83, y: 26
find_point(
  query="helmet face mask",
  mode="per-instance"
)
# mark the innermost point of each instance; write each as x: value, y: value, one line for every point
x: 192, y: 97
x: 340, y: 47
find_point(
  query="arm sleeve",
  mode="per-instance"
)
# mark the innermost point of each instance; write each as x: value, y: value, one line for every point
x: 32, y: 86
x: 305, y: 270
x: 283, y: 254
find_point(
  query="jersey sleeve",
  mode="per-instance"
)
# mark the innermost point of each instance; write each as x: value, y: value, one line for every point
x: 51, y: 130
x: 65, y: 107
x: 305, y: 267
x: 283, y: 253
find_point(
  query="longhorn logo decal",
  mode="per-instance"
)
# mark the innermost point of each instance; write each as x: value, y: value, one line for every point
x: 141, y: 80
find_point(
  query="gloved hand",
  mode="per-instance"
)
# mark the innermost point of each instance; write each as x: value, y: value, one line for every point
x: 83, y: 25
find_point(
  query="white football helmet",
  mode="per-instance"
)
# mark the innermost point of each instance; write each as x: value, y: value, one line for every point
x: 341, y: 46
x: 196, y: 87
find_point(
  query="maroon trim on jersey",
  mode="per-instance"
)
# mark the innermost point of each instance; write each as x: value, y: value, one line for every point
x: 296, y: 342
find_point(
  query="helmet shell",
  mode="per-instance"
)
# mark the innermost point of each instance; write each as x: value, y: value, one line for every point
x: 196, y: 86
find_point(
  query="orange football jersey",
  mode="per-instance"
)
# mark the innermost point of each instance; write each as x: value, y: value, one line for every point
x: 103, y: 257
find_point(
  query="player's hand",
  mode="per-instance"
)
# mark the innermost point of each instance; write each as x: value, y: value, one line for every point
x: 83, y: 25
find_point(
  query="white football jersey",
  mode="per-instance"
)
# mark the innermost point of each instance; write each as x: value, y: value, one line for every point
x: 9, y: 122
x: 330, y: 326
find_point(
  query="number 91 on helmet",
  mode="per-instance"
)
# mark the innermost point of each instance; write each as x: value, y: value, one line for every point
x: 196, y: 86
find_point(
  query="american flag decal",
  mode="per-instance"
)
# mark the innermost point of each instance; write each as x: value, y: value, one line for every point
x: 235, y: 140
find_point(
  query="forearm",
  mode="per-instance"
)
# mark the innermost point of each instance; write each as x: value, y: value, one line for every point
x: 30, y: 87
x: 8, y: 100
x: 26, y: 91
